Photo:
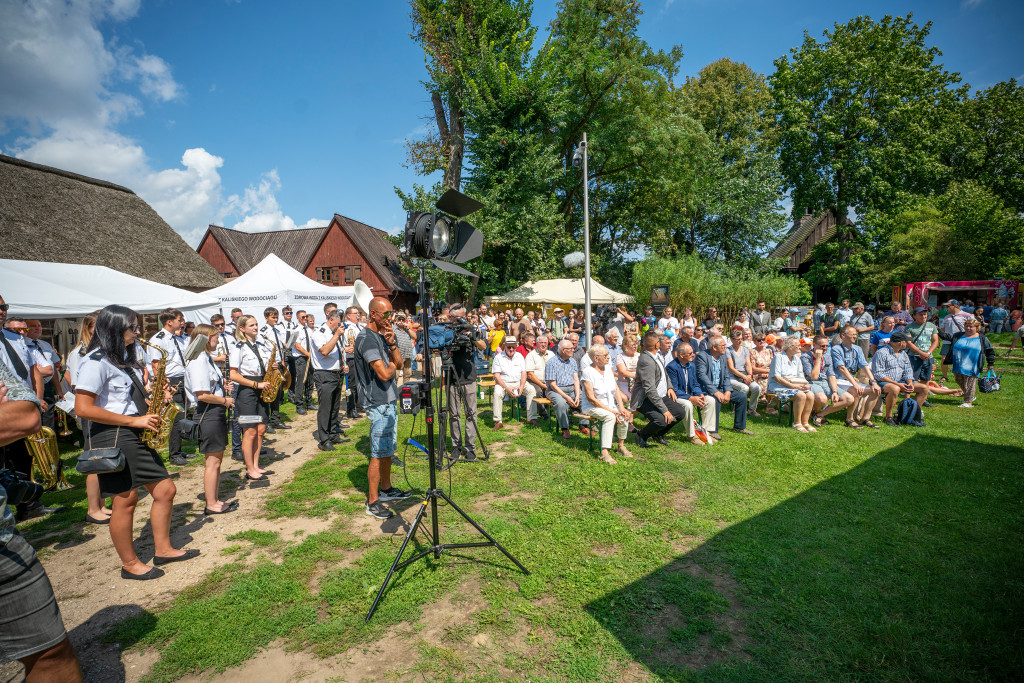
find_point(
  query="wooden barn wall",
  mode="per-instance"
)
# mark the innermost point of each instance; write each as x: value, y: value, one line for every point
x: 214, y: 254
x: 337, y: 250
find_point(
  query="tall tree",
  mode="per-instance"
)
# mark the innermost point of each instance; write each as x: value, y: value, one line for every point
x: 733, y: 211
x: 987, y: 143
x: 861, y: 115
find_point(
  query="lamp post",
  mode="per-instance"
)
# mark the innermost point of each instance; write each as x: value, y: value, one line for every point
x: 579, y: 158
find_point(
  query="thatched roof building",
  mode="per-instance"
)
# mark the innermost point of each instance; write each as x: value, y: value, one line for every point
x: 47, y: 214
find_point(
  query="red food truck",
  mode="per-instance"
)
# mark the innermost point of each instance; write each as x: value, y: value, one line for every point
x: 981, y: 292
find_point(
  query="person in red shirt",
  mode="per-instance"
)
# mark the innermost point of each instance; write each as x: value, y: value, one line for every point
x: 529, y: 341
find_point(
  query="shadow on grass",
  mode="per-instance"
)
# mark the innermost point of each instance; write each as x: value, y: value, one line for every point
x: 906, y: 566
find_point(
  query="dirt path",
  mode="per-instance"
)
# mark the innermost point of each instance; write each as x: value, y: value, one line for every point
x: 88, y: 559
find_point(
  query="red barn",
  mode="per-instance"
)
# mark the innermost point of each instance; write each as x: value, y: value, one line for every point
x: 338, y: 254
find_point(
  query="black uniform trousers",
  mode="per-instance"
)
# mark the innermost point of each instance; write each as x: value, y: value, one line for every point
x: 302, y: 391
x: 178, y: 396
x: 352, y: 406
x: 236, y: 429
x: 295, y: 378
x: 656, y: 424
x: 328, y: 385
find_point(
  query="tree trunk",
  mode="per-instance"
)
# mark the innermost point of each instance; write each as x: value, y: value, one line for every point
x: 456, y: 147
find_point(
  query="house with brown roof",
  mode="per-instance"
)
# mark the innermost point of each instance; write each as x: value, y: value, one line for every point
x: 49, y: 214
x: 808, y: 230
x: 337, y: 254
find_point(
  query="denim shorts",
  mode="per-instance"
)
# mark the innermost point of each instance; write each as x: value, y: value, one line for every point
x: 383, y: 430
x: 30, y: 620
x: 820, y: 386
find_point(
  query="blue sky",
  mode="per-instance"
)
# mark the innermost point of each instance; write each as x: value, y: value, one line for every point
x: 270, y: 115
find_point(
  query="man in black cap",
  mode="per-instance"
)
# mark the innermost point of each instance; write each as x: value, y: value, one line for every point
x: 891, y: 368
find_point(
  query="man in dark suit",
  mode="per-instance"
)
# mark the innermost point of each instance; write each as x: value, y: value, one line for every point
x: 711, y: 373
x: 649, y: 391
x: 682, y: 375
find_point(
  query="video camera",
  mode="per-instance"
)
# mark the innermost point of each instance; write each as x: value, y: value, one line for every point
x: 19, y: 488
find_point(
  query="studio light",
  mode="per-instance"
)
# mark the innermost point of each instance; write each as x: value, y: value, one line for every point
x: 441, y: 237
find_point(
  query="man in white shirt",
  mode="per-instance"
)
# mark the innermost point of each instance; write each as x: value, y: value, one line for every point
x: 536, y: 361
x: 329, y: 361
x: 509, y: 369
x: 352, y: 329
x: 172, y: 322
x: 276, y: 337
x: 291, y: 323
x: 585, y: 360
x: 48, y: 361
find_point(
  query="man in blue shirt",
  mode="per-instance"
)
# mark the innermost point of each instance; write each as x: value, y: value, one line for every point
x: 685, y: 390
x: 819, y: 371
x: 891, y: 366
x: 847, y: 360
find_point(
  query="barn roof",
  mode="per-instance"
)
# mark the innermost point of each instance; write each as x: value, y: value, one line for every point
x: 379, y: 251
x: 48, y: 214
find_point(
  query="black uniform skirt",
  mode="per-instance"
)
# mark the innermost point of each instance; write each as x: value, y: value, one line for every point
x: 249, y: 404
x: 213, y: 428
x: 142, y: 464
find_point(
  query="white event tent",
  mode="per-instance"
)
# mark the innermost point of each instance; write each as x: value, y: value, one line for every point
x: 559, y: 291
x: 40, y: 289
x: 272, y: 282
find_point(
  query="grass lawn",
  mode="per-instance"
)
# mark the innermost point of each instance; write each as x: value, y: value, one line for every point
x: 888, y: 554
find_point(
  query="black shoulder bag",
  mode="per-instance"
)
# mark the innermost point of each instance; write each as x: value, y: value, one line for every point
x: 109, y: 460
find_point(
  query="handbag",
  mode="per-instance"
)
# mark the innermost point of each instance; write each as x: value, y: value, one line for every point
x: 100, y: 460
x: 989, y: 382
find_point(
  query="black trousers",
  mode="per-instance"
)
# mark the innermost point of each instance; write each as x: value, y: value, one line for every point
x: 302, y: 392
x: 178, y: 396
x: 352, y: 406
x: 236, y: 429
x: 295, y: 377
x: 656, y: 425
x: 328, y: 386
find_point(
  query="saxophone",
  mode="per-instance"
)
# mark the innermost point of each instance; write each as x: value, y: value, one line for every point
x: 46, y: 464
x: 273, y: 378
x: 167, y: 411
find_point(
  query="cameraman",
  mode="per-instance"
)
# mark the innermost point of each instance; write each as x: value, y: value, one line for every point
x: 612, y: 317
x: 462, y: 389
x: 31, y: 628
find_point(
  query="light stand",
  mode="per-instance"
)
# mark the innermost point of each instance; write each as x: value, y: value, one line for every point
x: 433, y: 493
x: 581, y: 156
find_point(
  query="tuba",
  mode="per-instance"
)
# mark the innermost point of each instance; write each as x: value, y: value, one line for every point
x: 273, y: 378
x: 47, y: 469
x: 361, y: 297
x: 166, y: 410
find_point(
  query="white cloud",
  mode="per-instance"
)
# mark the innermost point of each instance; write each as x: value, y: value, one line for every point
x: 64, y: 89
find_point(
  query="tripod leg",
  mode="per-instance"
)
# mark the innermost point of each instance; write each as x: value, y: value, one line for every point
x: 398, y: 557
x: 479, y: 528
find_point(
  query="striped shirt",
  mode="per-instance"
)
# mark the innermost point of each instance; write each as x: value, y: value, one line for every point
x: 561, y: 372
x: 895, y: 366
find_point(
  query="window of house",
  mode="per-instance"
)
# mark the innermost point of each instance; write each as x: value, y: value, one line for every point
x: 352, y: 273
x: 327, y: 275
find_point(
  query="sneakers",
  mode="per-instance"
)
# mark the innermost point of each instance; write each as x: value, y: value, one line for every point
x: 393, y: 494
x: 927, y: 404
x: 377, y: 509
x: 965, y: 405
x: 179, y: 460
x: 891, y: 421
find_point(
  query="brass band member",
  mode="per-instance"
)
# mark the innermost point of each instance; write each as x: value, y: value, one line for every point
x: 329, y: 362
x: 110, y: 395
x: 275, y: 336
x: 211, y: 394
x: 173, y: 323
x: 249, y: 357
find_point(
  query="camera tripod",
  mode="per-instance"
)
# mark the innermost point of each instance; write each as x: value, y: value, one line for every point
x: 433, y: 493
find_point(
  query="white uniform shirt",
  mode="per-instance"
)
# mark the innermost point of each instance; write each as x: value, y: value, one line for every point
x: 276, y: 337
x: 335, y: 359
x: 352, y: 331
x: 44, y: 354
x: 224, y: 343
x: 509, y: 369
x: 287, y: 327
x: 305, y: 339
x: 604, y: 387
x: 202, y: 374
x: 74, y: 360
x: 27, y: 358
x: 112, y: 386
x: 175, y: 349
x: 245, y: 361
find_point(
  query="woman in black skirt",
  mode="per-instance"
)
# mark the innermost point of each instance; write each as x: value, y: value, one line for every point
x: 109, y: 394
x: 205, y: 387
x: 248, y: 358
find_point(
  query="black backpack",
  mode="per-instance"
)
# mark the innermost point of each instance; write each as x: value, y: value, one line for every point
x: 909, y: 413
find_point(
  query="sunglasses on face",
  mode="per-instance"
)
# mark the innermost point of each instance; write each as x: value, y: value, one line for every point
x: 135, y: 328
x: 220, y: 324
x: 20, y: 330
x: 4, y: 307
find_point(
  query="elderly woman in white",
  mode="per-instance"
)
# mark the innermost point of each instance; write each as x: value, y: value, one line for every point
x: 603, y: 401
x: 786, y: 380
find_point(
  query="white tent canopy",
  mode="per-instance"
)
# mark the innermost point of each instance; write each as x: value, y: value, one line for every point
x: 40, y: 289
x: 272, y: 282
x: 560, y: 291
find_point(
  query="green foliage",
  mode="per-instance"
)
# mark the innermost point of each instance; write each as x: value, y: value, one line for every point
x: 988, y: 144
x: 693, y: 282
x: 862, y: 115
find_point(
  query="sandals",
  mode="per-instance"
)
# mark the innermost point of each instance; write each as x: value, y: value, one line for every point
x: 869, y: 423
x: 608, y: 459
x: 816, y: 421
x: 852, y: 424
x: 810, y: 428
x: 800, y: 428
x: 625, y: 453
